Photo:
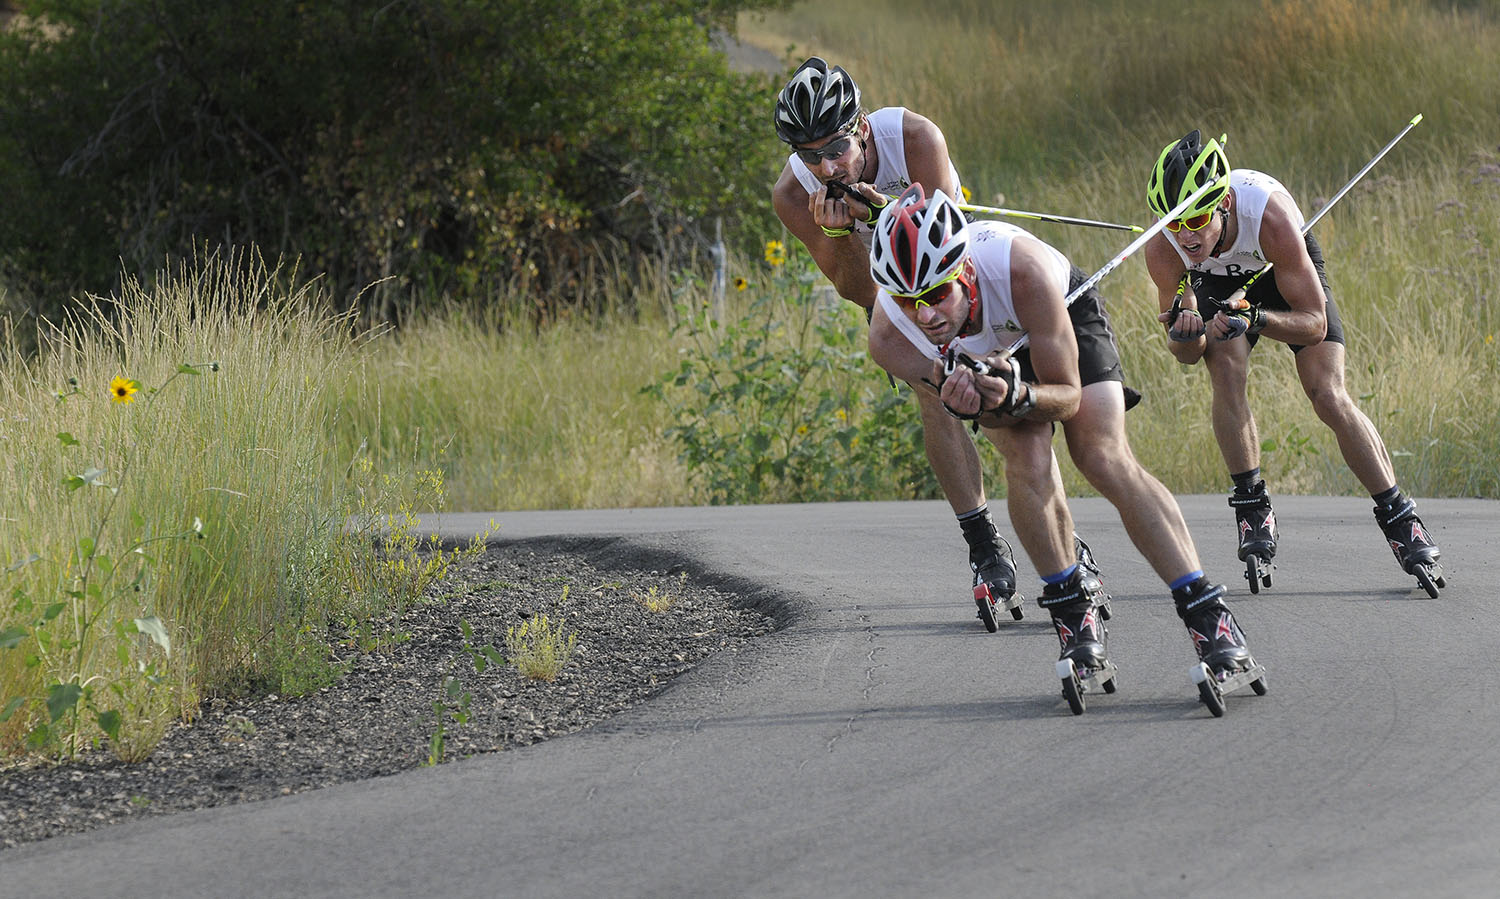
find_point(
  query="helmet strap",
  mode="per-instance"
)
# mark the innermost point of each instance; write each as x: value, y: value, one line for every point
x: 864, y: 151
x: 1219, y: 244
x: 971, y: 284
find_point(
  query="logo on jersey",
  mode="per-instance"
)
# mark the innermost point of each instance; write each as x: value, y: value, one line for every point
x: 1010, y: 325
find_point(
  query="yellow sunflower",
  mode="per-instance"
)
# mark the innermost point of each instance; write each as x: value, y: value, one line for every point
x: 741, y: 284
x: 775, y: 252
x: 123, y: 390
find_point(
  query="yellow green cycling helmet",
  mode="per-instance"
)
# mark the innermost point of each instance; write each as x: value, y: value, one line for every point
x: 1182, y: 168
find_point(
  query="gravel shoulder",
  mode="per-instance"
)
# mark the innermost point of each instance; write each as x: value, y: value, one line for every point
x: 378, y: 717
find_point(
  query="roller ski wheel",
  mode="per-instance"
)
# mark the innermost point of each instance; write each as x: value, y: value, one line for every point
x: 995, y: 587
x: 990, y: 606
x: 1430, y: 576
x: 1077, y: 682
x: 1214, y: 685
x: 1257, y: 572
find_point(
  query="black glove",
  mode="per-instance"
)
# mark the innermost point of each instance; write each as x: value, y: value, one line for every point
x: 1248, y: 320
x: 1011, y: 375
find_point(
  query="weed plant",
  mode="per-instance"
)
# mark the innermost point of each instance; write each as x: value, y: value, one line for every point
x: 779, y: 401
x: 539, y: 647
x: 170, y: 528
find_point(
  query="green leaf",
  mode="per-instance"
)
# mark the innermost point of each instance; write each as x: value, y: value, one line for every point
x: 73, y: 482
x: 153, y: 628
x: 10, y: 708
x: 185, y: 369
x: 54, y: 610
x: 66, y: 439
x: 86, y: 547
x: 109, y: 722
x: 11, y: 637
x: 61, y: 698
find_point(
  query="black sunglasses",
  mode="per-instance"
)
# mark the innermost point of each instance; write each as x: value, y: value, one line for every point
x: 831, y: 150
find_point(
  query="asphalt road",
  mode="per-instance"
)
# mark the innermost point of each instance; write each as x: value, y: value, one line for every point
x: 882, y: 744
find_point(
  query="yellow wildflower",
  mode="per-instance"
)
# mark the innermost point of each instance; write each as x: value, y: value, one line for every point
x: 122, y: 389
x: 775, y: 252
x: 741, y: 284
x: 968, y: 194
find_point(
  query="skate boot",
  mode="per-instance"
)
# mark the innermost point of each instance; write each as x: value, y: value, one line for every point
x: 995, y: 585
x: 1224, y: 661
x: 1258, y: 534
x: 1415, y: 552
x: 1086, y: 562
x: 1083, y: 663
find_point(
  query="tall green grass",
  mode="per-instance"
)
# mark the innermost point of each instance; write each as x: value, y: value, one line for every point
x: 527, y: 416
x: 194, y: 538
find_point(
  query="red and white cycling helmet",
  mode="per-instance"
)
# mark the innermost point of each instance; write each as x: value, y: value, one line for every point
x: 920, y: 242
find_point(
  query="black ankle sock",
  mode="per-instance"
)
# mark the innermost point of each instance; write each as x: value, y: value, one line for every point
x: 1245, y: 482
x: 1388, y: 498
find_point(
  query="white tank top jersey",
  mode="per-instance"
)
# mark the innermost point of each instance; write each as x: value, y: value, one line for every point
x: 891, y: 176
x: 1252, y: 190
x: 990, y: 245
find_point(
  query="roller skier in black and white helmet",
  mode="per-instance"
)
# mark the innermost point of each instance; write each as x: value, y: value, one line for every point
x: 877, y: 155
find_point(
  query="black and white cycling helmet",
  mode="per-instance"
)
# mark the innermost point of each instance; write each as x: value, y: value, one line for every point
x: 919, y: 243
x: 816, y: 103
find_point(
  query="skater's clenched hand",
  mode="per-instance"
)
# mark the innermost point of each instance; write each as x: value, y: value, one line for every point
x: 967, y: 393
x: 1183, y: 325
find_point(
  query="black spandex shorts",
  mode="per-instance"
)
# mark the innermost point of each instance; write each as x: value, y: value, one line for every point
x: 1213, y: 289
x: 1098, y: 358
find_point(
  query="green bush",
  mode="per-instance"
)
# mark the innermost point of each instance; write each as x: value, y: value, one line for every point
x: 782, y: 403
x: 430, y: 149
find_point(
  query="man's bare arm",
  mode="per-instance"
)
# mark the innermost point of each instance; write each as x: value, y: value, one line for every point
x: 842, y: 260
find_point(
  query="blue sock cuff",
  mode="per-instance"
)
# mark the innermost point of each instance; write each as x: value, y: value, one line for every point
x: 1185, y: 580
x: 1061, y: 575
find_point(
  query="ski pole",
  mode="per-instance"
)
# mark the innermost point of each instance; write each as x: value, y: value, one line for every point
x: 1237, y: 299
x: 1047, y: 217
x: 1124, y: 254
x: 838, y: 189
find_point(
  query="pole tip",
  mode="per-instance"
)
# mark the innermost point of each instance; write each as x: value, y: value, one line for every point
x: 1137, y: 229
x: 1417, y: 119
